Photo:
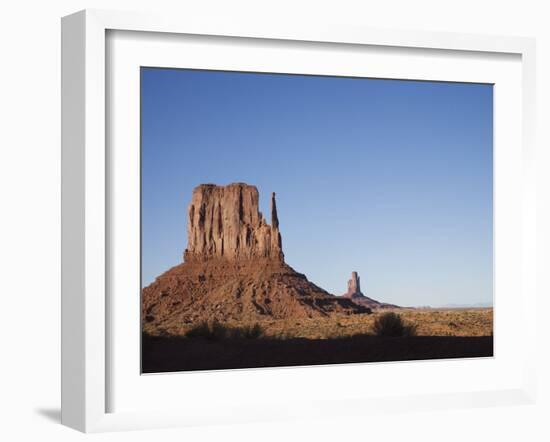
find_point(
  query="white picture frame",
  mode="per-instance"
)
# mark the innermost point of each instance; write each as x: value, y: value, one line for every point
x: 86, y: 356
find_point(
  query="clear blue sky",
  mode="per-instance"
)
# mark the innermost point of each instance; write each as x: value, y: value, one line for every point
x: 392, y: 179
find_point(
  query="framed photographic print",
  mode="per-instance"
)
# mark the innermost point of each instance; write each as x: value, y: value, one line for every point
x: 251, y: 208
x: 393, y: 177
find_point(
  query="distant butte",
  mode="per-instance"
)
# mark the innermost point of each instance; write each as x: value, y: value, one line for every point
x: 354, y: 293
x: 234, y: 269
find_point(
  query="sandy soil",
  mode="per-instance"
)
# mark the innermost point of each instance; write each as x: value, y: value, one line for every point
x: 429, y: 322
x: 441, y: 334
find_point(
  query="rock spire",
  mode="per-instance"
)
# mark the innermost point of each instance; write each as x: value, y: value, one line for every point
x: 355, y: 294
x: 354, y: 286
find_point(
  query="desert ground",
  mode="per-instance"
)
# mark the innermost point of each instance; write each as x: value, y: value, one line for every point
x: 428, y: 322
x: 439, y: 333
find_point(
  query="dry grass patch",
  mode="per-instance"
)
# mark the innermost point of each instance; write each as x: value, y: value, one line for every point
x: 428, y: 322
x: 215, y: 330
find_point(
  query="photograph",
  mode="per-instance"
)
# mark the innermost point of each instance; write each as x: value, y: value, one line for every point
x: 299, y: 220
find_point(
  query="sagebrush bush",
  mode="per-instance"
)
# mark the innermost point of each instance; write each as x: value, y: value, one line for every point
x: 390, y: 324
x: 215, y: 330
x: 252, y: 331
x: 208, y: 330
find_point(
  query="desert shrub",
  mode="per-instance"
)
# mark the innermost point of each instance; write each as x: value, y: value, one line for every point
x: 219, y: 331
x: 200, y: 330
x: 252, y: 331
x: 282, y: 335
x: 215, y: 330
x: 208, y: 330
x: 392, y: 325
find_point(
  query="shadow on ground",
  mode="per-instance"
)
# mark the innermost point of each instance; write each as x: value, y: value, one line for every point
x: 165, y: 354
x: 51, y: 414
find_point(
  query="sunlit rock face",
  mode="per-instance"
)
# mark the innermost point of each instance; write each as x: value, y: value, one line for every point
x: 225, y: 222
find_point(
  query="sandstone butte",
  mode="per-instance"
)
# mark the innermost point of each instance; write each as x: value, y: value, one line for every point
x: 356, y: 295
x: 225, y: 222
x: 234, y: 268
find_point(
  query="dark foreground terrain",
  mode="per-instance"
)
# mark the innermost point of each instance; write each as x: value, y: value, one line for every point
x: 165, y: 354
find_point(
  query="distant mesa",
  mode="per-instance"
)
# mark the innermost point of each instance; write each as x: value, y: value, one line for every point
x: 354, y: 293
x: 234, y: 269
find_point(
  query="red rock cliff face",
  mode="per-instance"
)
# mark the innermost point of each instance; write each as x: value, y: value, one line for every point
x: 225, y: 222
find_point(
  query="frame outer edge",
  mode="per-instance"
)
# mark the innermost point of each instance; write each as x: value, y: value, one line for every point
x: 83, y: 184
x: 529, y: 212
x: 95, y: 223
x: 337, y: 33
x: 73, y: 80
x: 83, y: 222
